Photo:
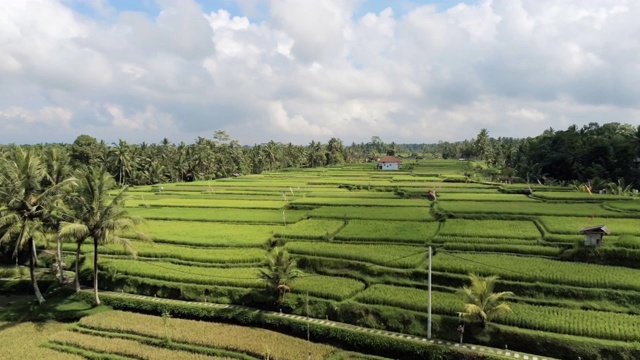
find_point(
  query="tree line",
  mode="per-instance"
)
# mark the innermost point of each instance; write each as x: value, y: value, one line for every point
x: 597, y: 154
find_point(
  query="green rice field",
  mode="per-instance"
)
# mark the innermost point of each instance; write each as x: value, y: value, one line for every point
x: 360, y: 238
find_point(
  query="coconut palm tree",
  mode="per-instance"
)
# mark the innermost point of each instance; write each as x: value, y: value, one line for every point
x: 58, y: 164
x: 281, y: 271
x: 26, y: 203
x: 481, y: 304
x: 123, y: 158
x: 100, y: 216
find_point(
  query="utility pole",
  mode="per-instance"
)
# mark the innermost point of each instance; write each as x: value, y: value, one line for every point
x: 429, y: 299
x: 307, y: 310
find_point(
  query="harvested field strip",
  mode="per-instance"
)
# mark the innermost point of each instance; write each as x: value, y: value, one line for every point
x: 128, y: 348
x: 255, y: 203
x: 344, y: 201
x: 392, y: 231
x: 152, y: 250
x: 257, y: 342
x: 398, y: 256
x: 571, y: 225
x: 372, y: 213
x: 311, y: 229
x: 232, y: 337
x: 23, y: 340
x: 246, y: 216
x: 531, y: 269
x: 491, y: 228
x: 208, y: 233
x: 527, y: 208
x: 166, y: 343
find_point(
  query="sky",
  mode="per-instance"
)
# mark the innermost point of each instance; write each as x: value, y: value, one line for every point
x: 407, y: 71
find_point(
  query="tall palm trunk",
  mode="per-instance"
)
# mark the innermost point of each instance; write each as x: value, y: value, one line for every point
x: 60, y: 268
x: 95, y: 272
x: 77, y: 280
x: 34, y: 281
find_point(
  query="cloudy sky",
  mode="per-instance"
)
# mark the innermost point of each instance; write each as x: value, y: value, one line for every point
x: 298, y: 70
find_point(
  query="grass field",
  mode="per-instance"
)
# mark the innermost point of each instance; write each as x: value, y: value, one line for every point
x: 391, y: 231
x: 249, y: 216
x: 209, y: 233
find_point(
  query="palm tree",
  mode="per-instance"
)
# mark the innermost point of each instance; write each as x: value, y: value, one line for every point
x: 123, y: 159
x: 58, y: 164
x: 99, y: 216
x: 271, y: 155
x: 281, y: 271
x: 481, y: 303
x: 26, y: 203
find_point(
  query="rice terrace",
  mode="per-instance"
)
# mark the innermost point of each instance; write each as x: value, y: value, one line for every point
x: 343, y: 252
x: 359, y: 240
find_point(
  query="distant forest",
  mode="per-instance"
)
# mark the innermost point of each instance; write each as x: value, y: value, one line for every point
x: 594, y: 154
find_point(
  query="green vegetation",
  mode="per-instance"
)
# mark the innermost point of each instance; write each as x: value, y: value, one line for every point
x: 281, y: 271
x: 491, y: 228
x: 359, y: 238
x: 536, y: 269
x: 371, y: 213
x: 392, y: 231
x: 530, y: 208
x: 246, y: 216
x: 481, y: 303
x: 311, y: 229
x: 169, y: 251
x: 208, y: 234
x: 398, y: 256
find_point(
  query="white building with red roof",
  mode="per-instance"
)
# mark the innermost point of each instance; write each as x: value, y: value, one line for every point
x: 389, y: 163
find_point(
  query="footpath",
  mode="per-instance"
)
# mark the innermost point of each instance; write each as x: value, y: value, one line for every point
x: 471, y: 347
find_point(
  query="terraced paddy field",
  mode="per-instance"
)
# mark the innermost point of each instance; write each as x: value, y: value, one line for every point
x: 360, y: 238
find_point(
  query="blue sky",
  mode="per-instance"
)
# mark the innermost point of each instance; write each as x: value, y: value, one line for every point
x: 298, y: 70
x: 258, y: 11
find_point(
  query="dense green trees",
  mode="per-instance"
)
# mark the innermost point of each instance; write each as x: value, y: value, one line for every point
x: 30, y: 204
x: 594, y: 153
x: 99, y: 216
x: 606, y: 152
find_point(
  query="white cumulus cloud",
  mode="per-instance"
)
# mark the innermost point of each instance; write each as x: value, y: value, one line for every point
x: 301, y: 71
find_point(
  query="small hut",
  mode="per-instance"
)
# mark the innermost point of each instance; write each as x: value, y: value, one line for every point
x: 389, y: 163
x: 593, y: 235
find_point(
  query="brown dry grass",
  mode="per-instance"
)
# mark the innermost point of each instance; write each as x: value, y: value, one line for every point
x: 223, y: 336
